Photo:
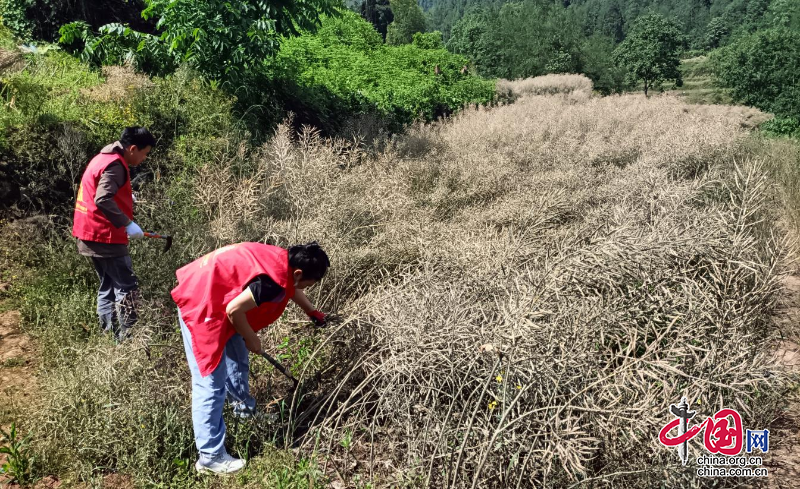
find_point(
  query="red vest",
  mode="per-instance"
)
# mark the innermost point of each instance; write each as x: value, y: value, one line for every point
x: 90, y: 224
x: 208, y: 284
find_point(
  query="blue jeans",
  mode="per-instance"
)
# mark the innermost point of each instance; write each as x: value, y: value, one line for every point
x: 118, y: 294
x: 230, y: 379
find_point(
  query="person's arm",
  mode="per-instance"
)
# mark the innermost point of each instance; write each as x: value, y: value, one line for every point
x: 237, y: 314
x: 301, y: 300
x: 111, y: 180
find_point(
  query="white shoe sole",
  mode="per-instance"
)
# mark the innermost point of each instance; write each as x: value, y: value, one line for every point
x: 202, y: 469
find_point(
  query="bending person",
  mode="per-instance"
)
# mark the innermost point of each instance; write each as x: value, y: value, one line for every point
x: 224, y: 299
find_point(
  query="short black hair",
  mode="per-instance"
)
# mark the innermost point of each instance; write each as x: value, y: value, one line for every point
x: 309, y: 258
x: 138, y: 136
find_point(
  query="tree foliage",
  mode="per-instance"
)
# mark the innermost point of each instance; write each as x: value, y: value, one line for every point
x: 408, y: 20
x: 378, y: 13
x: 345, y: 69
x: 702, y: 21
x: 532, y: 38
x: 763, y: 70
x: 651, y: 52
x: 41, y: 19
x: 225, y: 39
x: 117, y: 44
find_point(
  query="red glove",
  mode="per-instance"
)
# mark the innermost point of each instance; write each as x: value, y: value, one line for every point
x: 317, y: 317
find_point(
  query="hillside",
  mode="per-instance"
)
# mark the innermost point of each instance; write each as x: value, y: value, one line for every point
x: 521, y: 293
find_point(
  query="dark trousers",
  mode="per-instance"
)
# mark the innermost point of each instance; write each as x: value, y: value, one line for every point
x: 118, y: 294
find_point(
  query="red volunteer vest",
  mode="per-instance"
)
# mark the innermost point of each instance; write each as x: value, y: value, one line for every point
x: 208, y: 284
x: 89, y: 222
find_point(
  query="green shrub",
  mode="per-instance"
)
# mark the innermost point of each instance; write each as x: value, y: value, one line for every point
x: 334, y: 78
x: 428, y: 40
x: 782, y: 127
x: 763, y: 70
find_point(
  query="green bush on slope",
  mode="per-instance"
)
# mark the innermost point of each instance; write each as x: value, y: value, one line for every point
x: 345, y: 68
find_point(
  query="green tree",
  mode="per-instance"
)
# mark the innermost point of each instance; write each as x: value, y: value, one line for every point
x: 378, y: 13
x: 763, y: 70
x: 784, y: 13
x: 596, y: 62
x: 472, y: 36
x: 226, y: 39
x: 519, y: 39
x: 428, y: 40
x: 408, y: 20
x: 650, y: 53
x: 716, y: 31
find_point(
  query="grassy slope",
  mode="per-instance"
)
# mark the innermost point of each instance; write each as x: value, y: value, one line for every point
x: 561, y: 194
x: 698, y: 86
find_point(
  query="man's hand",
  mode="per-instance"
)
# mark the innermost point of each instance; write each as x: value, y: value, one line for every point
x: 134, y: 231
x: 253, y: 343
x: 317, y: 317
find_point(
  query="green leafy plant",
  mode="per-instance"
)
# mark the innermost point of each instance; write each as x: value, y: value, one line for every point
x: 344, y: 69
x: 782, y: 127
x: 763, y: 70
x: 347, y: 440
x: 651, y: 52
x: 117, y: 44
x: 227, y: 39
x: 408, y: 20
x: 19, y: 458
x: 16, y: 19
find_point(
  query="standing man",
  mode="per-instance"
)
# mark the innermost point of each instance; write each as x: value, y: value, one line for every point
x: 103, y: 223
x: 223, y: 299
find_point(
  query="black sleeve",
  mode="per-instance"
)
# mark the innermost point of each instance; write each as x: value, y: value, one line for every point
x: 264, y: 289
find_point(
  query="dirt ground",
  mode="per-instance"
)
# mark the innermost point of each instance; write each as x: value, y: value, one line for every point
x: 16, y: 368
x: 783, y: 459
x: 17, y: 379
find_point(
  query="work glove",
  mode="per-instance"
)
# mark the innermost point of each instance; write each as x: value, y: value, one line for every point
x: 134, y: 231
x: 317, y: 317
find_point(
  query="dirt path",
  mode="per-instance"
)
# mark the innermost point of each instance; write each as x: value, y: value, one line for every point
x: 783, y: 458
x: 16, y: 368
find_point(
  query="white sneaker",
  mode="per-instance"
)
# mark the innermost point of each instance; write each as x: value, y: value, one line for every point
x: 224, y: 464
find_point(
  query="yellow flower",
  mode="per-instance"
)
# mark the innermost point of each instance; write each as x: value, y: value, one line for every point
x: 499, y: 378
x: 492, y: 405
x: 142, y: 426
x: 698, y: 401
x: 519, y: 387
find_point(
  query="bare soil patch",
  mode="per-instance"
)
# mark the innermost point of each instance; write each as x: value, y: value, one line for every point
x: 783, y: 458
x: 16, y: 367
x: 17, y: 381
